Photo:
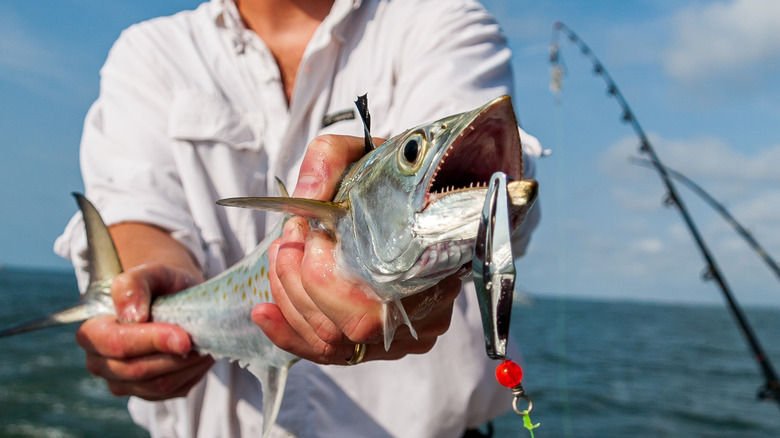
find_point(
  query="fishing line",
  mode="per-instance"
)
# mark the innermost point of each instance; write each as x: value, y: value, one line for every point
x: 556, y: 74
x: 771, y: 387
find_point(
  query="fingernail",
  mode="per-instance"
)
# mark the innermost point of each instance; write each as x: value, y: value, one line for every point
x: 292, y: 232
x: 308, y: 186
x: 130, y: 314
x: 176, y: 344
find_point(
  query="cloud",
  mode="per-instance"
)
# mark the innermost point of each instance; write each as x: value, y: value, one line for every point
x: 648, y: 245
x: 746, y: 183
x: 736, y: 42
x: 763, y: 208
x: 698, y: 158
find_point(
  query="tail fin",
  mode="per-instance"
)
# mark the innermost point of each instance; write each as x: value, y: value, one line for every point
x: 103, y: 267
x: 274, y: 380
x: 103, y: 259
x: 76, y: 313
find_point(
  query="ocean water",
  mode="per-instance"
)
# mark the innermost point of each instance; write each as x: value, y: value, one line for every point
x: 593, y: 369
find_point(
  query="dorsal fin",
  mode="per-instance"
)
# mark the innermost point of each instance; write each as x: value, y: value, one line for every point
x: 282, y: 189
x: 327, y: 213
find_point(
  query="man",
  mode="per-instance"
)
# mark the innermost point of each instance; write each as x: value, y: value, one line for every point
x: 219, y: 101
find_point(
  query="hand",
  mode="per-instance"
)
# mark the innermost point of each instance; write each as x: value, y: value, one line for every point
x: 150, y: 360
x: 320, y: 314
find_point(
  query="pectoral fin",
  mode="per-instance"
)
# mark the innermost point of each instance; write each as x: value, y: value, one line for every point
x: 393, y: 315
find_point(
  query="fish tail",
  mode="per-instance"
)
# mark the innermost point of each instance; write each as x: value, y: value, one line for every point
x: 103, y: 260
x: 104, y: 265
x: 80, y: 312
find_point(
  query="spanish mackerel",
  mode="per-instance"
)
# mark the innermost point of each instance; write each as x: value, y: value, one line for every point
x: 405, y: 216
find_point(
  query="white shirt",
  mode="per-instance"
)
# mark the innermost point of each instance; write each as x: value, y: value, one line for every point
x: 192, y: 110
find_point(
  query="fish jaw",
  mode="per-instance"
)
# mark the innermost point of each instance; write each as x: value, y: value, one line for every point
x: 479, y: 143
x: 405, y: 213
x: 447, y: 230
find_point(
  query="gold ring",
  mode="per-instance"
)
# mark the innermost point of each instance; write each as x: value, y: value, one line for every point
x: 358, y: 354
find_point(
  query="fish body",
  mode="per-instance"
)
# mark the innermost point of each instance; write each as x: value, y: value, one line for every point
x: 405, y: 216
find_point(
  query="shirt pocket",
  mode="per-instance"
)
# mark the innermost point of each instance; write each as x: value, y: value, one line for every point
x: 219, y: 153
x: 198, y: 116
x: 228, y: 142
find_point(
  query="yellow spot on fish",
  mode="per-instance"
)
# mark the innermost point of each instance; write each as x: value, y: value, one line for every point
x: 230, y: 280
x: 235, y: 288
x: 266, y: 295
x: 243, y: 296
x: 254, y: 290
x: 255, y: 276
x: 249, y: 283
x: 224, y: 296
x: 216, y: 289
x: 262, y: 271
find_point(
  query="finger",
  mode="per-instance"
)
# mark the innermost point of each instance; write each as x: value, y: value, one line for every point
x: 430, y: 311
x: 274, y: 324
x: 132, y: 291
x: 163, y: 387
x: 293, y: 300
x: 326, y: 159
x: 329, y: 288
x: 399, y: 349
x: 141, y: 368
x: 106, y: 337
x: 270, y: 319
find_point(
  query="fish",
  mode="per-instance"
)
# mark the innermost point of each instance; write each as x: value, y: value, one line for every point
x: 405, y: 216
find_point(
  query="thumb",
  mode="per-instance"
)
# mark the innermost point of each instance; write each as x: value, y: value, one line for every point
x: 133, y: 290
x: 325, y: 161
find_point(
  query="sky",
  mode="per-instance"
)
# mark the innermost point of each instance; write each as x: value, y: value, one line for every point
x: 701, y: 77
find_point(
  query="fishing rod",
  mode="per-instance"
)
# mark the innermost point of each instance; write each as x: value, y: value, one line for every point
x: 717, y: 206
x: 771, y: 387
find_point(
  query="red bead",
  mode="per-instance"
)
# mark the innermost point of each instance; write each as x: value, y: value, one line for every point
x: 509, y: 373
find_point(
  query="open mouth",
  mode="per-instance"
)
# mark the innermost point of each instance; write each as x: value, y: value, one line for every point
x: 490, y: 143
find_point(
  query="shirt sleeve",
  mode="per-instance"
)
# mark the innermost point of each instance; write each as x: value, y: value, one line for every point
x: 126, y: 159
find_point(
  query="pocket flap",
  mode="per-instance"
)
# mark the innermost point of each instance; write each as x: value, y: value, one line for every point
x: 199, y: 116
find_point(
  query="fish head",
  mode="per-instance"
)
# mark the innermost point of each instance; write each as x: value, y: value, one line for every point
x: 415, y: 201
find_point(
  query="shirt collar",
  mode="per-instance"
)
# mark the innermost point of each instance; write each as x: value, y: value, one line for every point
x: 226, y: 15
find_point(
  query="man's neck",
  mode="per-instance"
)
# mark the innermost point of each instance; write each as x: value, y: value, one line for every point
x: 286, y: 26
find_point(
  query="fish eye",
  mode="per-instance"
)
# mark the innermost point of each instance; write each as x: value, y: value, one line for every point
x: 410, y: 155
x: 411, y: 150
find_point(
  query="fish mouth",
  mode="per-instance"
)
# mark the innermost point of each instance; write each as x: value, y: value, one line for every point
x: 489, y: 143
